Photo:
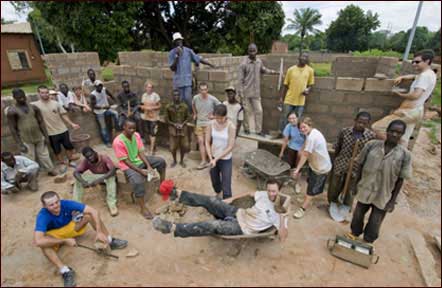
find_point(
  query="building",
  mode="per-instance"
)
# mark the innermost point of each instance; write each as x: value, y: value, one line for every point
x: 21, y: 60
x: 280, y: 47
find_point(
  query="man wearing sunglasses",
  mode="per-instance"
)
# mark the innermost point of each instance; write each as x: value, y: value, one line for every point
x: 411, y: 110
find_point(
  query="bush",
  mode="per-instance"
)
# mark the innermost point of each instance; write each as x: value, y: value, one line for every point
x: 377, y: 53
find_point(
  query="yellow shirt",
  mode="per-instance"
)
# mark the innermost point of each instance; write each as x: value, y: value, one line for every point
x: 297, y: 79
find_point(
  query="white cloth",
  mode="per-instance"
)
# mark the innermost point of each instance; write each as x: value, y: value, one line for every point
x: 65, y: 100
x: 101, y: 100
x: 260, y: 217
x: 150, y: 100
x: 234, y: 112
x: 220, y: 141
x: 318, y: 159
x: 22, y: 164
x: 425, y: 81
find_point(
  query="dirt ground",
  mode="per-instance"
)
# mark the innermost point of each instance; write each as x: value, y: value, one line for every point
x: 302, y: 260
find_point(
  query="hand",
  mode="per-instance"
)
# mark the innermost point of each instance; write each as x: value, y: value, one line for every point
x: 70, y: 242
x: 390, y: 206
x: 20, y: 177
x: 194, y: 116
x: 306, y: 92
x: 397, y: 93
x: 214, y: 66
x: 280, y: 155
x: 213, y: 163
x: 144, y: 172
x: 23, y: 148
x: 101, y: 237
x: 295, y: 173
x: 75, y: 126
x: 398, y: 80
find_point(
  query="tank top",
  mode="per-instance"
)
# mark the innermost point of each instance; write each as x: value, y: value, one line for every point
x: 101, y: 98
x: 27, y: 125
x: 220, y: 142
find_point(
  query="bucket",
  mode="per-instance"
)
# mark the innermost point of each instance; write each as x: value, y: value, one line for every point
x: 80, y: 140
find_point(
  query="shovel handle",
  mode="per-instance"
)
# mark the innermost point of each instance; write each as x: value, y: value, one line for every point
x: 376, y: 259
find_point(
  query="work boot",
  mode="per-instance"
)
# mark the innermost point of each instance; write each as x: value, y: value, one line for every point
x: 161, y: 225
x: 69, y: 278
x: 113, y: 210
x: 247, y: 132
x: 118, y: 243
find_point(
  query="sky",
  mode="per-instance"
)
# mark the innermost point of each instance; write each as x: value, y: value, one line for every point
x: 394, y: 15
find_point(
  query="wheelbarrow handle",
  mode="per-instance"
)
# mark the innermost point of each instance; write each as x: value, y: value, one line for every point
x: 330, y: 246
x: 375, y: 258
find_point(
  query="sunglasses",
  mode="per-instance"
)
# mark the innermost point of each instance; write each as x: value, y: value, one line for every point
x: 416, y: 61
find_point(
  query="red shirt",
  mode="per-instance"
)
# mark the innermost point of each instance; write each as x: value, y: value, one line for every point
x: 103, y: 166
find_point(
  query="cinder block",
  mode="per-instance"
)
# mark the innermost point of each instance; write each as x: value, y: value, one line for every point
x: 63, y: 71
x: 351, y: 84
x: 324, y: 83
x: 218, y: 76
x: 373, y: 84
x: 343, y: 109
x: 167, y: 74
x: 358, y: 98
x: 316, y: 108
x: 143, y: 72
x: 202, y: 75
x: 155, y: 74
x: 331, y: 97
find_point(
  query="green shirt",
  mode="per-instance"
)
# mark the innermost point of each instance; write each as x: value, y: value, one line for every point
x: 132, y: 147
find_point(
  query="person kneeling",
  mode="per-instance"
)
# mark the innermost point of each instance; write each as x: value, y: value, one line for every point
x: 230, y: 220
x: 60, y: 222
x: 18, y: 172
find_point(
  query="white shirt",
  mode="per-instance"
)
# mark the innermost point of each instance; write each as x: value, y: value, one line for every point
x: 260, y: 217
x: 318, y: 159
x: 425, y: 81
x: 22, y: 164
x: 234, y: 112
x: 101, y: 100
x: 65, y: 100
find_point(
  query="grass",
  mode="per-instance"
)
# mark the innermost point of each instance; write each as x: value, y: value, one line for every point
x: 436, y: 99
x: 107, y: 73
x: 321, y: 69
x: 433, y: 125
x: 377, y: 53
x: 29, y: 88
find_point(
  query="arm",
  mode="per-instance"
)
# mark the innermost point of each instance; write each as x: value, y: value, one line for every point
x: 238, y: 126
x: 143, y: 158
x: 284, y: 90
x: 105, y: 176
x: 12, y: 124
x: 84, y: 183
x: 194, y: 111
x: 231, y: 199
x: 40, y: 121
x: 94, y: 102
x: 411, y: 95
x: 283, y: 146
x: 5, y: 184
x: 68, y: 120
x: 30, y: 165
x: 207, y: 138
x: 397, y: 188
x: 265, y: 70
x: 110, y: 95
x: 282, y: 229
x: 231, y: 131
x: 97, y: 221
x: 42, y: 241
x: 404, y: 77
x: 204, y: 61
x: 302, y: 160
x: 338, y: 145
x: 173, y: 60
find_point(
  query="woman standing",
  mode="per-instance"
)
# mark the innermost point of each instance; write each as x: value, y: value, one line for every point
x: 293, y: 138
x: 220, y: 139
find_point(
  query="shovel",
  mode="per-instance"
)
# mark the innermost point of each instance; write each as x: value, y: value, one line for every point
x: 340, y: 213
x: 99, y: 252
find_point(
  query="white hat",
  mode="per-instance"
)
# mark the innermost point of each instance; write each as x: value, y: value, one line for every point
x: 176, y: 36
x: 98, y: 82
x: 52, y: 92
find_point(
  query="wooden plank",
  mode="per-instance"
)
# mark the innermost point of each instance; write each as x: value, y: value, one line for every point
x: 424, y: 258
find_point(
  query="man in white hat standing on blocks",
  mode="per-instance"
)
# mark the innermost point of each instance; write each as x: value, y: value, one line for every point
x: 180, y: 62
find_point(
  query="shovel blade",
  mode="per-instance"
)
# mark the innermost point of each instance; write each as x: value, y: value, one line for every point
x: 335, y: 212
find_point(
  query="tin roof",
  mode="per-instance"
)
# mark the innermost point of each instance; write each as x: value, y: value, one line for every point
x: 19, y: 28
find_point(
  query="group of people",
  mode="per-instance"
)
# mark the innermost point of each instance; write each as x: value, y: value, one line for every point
x: 381, y: 163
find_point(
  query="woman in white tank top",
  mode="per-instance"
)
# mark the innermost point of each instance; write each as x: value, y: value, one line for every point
x: 220, y: 139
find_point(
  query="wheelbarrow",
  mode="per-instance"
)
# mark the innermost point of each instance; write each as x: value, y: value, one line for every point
x: 263, y: 165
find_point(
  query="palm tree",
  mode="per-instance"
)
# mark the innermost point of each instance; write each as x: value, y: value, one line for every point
x: 304, y: 22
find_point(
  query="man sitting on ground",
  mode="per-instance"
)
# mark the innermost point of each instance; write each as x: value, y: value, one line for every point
x: 230, y: 219
x: 129, y: 150
x: 102, y: 171
x: 17, y: 171
x: 60, y: 222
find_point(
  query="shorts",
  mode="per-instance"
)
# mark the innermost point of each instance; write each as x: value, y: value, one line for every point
x: 316, y: 183
x: 65, y: 232
x: 60, y: 139
x: 178, y: 142
x: 150, y: 128
x: 200, y: 130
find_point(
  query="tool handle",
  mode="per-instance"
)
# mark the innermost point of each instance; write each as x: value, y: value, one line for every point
x: 350, y: 168
x: 376, y: 257
x: 330, y: 246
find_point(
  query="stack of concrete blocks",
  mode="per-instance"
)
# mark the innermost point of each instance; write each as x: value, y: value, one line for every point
x: 71, y: 68
x: 334, y: 102
x: 273, y: 61
x: 364, y: 67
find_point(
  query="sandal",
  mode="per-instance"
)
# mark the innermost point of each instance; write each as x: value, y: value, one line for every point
x: 147, y: 215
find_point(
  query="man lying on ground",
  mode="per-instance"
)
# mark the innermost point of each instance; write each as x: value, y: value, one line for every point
x: 230, y: 220
x: 60, y: 222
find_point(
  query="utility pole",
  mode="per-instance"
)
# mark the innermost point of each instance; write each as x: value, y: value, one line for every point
x: 410, y: 39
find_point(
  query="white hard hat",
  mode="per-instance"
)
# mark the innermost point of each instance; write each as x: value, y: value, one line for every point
x: 176, y: 36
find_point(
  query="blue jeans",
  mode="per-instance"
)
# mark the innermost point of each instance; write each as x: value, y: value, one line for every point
x: 221, y: 176
x: 286, y: 110
x: 104, y: 130
x: 186, y: 96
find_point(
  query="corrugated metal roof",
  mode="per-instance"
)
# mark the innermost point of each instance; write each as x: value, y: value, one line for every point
x: 20, y: 28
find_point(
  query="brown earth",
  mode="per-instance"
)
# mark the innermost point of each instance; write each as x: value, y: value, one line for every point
x: 165, y: 261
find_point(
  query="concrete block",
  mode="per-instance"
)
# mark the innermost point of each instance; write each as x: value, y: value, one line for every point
x: 347, y: 83
x: 373, y: 84
x: 316, y: 108
x: 324, y: 83
x: 62, y: 71
x: 343, y: 109
x: 155, y: 74
x: 358, y: 98
x: 218, y: 76
x: 167, y: 74
x: 202, y: 75
x: 331, y: 97
x: 387, y: 100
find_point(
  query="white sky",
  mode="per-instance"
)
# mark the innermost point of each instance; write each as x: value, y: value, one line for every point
x: 394, y: 15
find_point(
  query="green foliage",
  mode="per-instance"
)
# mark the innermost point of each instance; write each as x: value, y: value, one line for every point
x: 107, y: 73
x: 434, y: 42
x: 304, y: 23
x: 436, y: 98
x: 321, y: 69
x: 377, y: 53
x: 350, y: 31
x: 423, y: 39
x: 432, y: 134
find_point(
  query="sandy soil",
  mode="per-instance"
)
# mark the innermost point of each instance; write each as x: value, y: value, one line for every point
x: 165, y: 261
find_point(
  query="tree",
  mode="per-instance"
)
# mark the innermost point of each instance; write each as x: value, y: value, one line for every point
x: 304, y: 23
x: 350, y: 31
x: 422, y: 40
x: 434, y: 42
x: 377, y: 40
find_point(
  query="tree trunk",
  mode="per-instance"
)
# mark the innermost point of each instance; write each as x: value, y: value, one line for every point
x: 301, y: 44
x: 72, y: 48
x: 60, y: 45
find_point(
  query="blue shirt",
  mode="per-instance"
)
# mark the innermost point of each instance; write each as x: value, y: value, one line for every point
x: 48, y: 221
x: 183, y: 73
x: 296, y: 138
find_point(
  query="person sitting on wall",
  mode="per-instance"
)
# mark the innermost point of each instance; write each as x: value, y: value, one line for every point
x: 102, y: 171
x: 177, y: 117
x: 230, y: 220
x: 60, y: 222
x: 89, y: 83
x: 411, y: 110
x: 100, y: 106
x: 18, y: 172
x: 65, y: 97
x: 129, y: 150
x: 127, y: 99
x: 80, y: 102
x: 180, y: 62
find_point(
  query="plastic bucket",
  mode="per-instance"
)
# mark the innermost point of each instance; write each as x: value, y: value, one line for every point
x: 80, y: 141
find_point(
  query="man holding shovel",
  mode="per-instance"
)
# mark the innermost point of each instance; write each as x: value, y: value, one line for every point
x: 350, y: 142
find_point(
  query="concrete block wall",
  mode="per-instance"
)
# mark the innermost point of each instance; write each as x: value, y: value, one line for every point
x: 363, y: 67
x: 334, y: 102
x: 407, y: 68
x: 72, y: 68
